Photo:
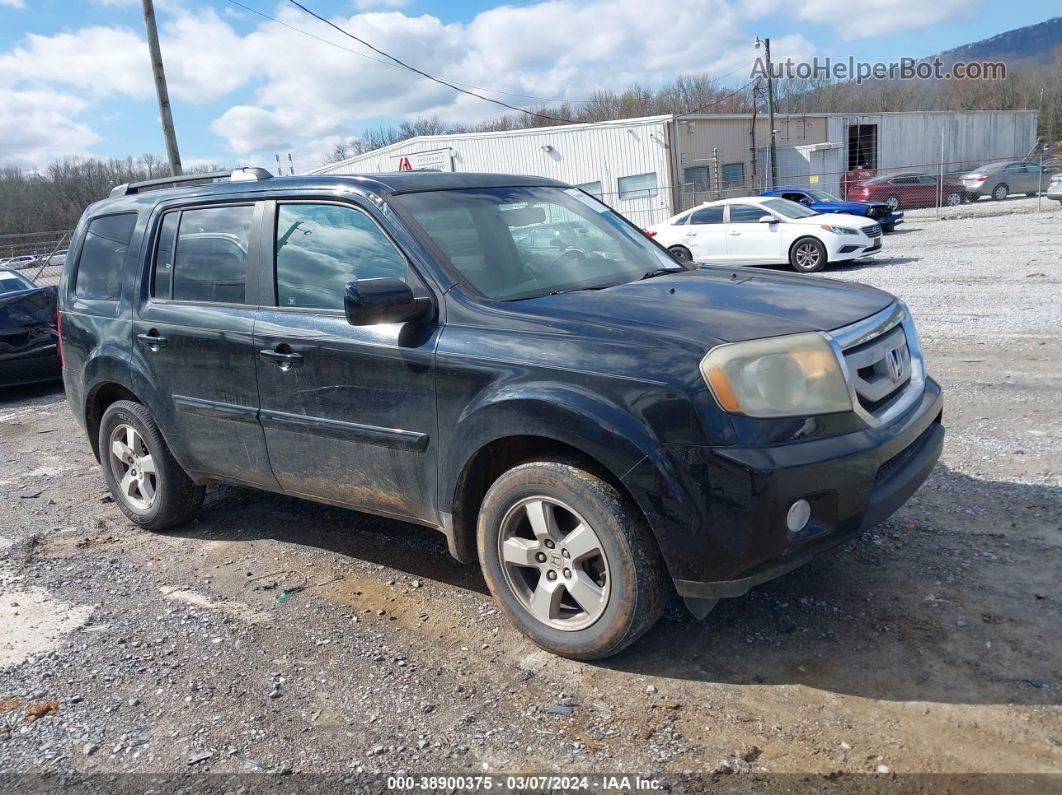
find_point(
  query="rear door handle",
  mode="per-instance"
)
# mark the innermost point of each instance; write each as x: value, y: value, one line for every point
x: 285, y: 360
x: 152, y: 339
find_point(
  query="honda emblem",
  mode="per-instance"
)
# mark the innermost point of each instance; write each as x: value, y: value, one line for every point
x: 894, y: 362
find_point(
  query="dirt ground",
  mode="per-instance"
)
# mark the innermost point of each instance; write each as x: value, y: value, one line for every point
x: 276, y: 635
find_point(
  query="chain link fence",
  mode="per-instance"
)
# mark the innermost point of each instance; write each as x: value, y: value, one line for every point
x: 38, y: 256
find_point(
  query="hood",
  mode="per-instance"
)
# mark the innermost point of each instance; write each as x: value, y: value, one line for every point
x: 856, y: 206
x: 716, y: 304
x: 27, y: 319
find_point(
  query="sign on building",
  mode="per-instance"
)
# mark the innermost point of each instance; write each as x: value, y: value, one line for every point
x: 436, y: 160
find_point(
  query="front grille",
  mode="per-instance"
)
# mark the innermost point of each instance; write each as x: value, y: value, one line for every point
x: 874, y: 405
x: 874, y: 231
x: 895, y: 463
x: 880, y: 369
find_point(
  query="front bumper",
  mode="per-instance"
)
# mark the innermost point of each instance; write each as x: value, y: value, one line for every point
x: 30, y: 366
x: 719, y: 513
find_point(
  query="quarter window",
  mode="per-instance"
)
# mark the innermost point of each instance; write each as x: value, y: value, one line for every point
x: 99, y: 269
x: 210, y: 263
x: 639, y: 186
x: 320, y: 248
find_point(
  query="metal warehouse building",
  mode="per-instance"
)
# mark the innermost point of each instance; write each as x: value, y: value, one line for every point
x: 652, y: 167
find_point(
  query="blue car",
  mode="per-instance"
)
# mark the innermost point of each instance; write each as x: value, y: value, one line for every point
x: 824, y: 202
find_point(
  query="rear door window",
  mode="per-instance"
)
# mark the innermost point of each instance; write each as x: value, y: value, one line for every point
x: 746, y: 213
x: 210, y: 260
x: 709, y: 215
x: 99, y: 268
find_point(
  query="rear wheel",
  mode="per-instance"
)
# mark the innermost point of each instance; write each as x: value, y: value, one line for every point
x: 893, y: 202
x: 145, y: 480
x: 953, y: 200
x: 807, y: 255
x: 569, y: 560
x: 681, y: 252
x: 1000, y: 192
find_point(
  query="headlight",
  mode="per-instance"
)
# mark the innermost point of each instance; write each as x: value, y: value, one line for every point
x: 840, y: 230
x: 791, y: 376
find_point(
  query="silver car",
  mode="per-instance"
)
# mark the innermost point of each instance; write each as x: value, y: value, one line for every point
x: 999, y: 180
x: 1054, y: 188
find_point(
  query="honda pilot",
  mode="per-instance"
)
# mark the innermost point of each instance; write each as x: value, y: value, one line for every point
x: 503, y: 359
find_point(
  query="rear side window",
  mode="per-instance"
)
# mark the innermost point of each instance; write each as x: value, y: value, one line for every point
x: 210, y: 260
x: 99, y: 269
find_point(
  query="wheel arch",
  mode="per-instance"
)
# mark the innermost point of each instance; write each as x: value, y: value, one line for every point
x: 601, y: 437
x: 97, y: 401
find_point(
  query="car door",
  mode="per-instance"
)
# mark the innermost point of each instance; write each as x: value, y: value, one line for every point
x: 705, y: 235
x: 348, y: 411
x: 748, y: 241
x: 193, y: 341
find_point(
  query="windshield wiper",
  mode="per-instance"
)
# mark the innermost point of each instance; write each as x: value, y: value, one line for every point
x: 660, y: 272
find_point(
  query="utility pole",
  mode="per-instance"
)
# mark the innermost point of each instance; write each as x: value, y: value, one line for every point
x: 168, y: 131
x: 770, y: 106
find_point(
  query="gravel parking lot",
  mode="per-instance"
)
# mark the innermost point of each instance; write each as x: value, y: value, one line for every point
x: 276, y: 635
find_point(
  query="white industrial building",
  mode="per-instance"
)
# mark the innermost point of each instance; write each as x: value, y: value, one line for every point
x: 650, y: 168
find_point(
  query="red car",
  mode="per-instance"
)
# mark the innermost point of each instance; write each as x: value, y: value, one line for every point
x: 904, y: 191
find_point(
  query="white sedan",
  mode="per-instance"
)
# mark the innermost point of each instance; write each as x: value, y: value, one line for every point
x: 767, y: 231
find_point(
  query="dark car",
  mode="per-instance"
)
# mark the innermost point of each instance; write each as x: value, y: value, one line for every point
x: 908, y: 191
x: 595, y: 430
x: 823, y: 202
x: 29, y: 342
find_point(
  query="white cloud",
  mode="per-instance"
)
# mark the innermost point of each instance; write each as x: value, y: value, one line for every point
x: 13, y: 3
x: 879, y: 17
x: 39, y: 125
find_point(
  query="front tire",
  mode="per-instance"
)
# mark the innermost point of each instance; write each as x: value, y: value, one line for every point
x: 888, y: 227
x: 682, y: 253
x: 569, y: 560
x: 807, y: 255
x: 144, y: 478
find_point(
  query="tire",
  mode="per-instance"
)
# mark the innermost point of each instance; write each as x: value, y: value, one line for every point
x: 807, y: 255
x: 619, y: 559
x: 888, y: 227
x: 1031, y: 195
x: 953, y: 199
x: 155, y: 501
x: 893, y: 202
x: 1000, y: 192
x: 682, y: 253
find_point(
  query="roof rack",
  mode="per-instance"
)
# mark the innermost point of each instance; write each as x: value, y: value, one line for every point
x: 236, y: 175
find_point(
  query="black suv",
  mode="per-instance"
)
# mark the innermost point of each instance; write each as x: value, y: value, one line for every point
x: 594, y: 426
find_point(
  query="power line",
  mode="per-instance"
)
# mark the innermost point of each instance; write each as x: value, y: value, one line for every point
x: 388, y: 63
x: 422, y: 73
x: 717, y: 100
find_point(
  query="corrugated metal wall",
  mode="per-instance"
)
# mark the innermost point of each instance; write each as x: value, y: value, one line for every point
x: 577, y: 154
x: 912, y: 141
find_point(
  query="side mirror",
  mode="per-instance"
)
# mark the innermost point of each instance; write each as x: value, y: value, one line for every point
x: 768, y: 219
x: 371, y: 301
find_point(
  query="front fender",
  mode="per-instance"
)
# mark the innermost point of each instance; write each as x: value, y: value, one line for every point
x: 614, y: 437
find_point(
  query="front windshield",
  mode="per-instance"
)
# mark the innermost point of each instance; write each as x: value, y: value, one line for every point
x: 788, y: 209
x: 515, y: 243
x: 823, y: 196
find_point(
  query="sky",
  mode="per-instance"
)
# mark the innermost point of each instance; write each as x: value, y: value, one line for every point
x: 75, y: 77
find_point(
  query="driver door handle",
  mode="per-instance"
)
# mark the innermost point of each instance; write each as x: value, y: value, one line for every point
x: 285, y: 360
x: 152, y: 340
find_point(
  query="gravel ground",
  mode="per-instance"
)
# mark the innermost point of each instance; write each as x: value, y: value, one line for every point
x: 276, y: 635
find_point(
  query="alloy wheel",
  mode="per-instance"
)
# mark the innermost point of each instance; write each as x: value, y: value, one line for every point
x: 953, y: 200
x: 133, y: 467
x: 554, y: 563
x: 807, y: 255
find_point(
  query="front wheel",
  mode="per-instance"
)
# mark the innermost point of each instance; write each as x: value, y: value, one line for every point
x: 569, y: 560
x: 144, y: 478
x: 1000, y: 192
x: 682, y: 253
x: 807, y: 255
x: 888, y: 227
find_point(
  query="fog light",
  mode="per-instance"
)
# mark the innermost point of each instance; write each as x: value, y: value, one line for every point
x: 798, y: 516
